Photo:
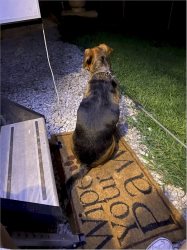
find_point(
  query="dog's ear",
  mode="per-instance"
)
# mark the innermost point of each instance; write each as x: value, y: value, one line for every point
x: 87, y: 59
x: 105, y: 48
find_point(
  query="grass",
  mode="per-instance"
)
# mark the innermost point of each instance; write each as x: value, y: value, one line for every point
x: 155, y: 77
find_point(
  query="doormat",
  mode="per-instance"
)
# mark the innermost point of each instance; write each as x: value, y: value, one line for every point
x: 118, y: 205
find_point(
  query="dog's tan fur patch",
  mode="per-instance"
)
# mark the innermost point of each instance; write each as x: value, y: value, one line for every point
x: 91, y: 56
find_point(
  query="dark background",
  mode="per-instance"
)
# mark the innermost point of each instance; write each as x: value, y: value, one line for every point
x: 147, y: 19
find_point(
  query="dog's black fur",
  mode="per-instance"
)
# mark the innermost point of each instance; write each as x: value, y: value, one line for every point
x: 97, y: 117
x: 93, y: 141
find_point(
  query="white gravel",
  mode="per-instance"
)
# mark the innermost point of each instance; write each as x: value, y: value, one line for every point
x: 26, y: 79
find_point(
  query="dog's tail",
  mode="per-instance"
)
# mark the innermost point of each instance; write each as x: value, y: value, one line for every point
x: 84, y: 169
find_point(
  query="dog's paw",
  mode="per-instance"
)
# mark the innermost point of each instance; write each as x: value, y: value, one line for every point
x: 71, y: 163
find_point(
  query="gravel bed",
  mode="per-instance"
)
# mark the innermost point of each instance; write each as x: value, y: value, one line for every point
x: 26, y: 79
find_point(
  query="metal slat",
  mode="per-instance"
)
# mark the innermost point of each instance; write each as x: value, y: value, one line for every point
x: 9, y: 177
x: 50, y: 184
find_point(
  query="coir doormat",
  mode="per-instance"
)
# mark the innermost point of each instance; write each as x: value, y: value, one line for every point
x: 118, y: 205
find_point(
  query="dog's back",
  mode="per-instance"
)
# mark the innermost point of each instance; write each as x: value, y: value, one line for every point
x: 97, y: 117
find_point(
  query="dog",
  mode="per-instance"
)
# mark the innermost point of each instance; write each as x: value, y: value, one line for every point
x: 93, y: 141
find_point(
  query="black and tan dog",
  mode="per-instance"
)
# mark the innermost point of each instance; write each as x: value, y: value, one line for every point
x: 93, y: 141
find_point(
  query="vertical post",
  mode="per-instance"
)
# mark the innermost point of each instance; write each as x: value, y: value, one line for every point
x: 169, y: 20
x: 123, y: 8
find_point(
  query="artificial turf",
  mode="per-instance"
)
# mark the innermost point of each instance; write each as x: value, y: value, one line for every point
x: 153, y: 75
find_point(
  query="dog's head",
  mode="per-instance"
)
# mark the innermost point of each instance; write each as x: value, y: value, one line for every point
x: 97, y: 58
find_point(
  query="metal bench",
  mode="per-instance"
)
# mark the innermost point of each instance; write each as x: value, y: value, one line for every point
x: 30, y: 208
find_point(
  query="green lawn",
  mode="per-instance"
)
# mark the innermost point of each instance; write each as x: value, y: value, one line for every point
x: 155, y: 77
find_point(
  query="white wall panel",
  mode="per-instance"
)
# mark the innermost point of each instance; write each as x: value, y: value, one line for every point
x: 18, y: 10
